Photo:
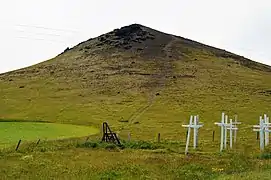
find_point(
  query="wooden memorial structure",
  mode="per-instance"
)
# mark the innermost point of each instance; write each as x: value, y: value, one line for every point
x: 109, y: 136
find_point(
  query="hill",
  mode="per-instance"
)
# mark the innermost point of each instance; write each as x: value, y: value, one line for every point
x: 145, y: 82
x: 135, y: 70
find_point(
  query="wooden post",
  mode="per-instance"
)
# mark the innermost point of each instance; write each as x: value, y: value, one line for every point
x: 129, y: 136
x: 213, y: 136
x: 38, y: 142
x: 87, y: 139
x: 257, y: 135
x: 159, y: 137
x: 18, y: 145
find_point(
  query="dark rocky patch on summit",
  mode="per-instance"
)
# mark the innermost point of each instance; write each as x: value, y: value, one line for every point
x: 135, y: 39
x: 125, y: 37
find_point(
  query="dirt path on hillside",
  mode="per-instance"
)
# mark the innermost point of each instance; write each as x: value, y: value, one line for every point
x: 161, y: 80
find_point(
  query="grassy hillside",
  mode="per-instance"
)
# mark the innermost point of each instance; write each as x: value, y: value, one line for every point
x: 144, y: 82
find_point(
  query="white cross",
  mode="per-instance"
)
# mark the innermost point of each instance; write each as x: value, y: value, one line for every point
x: 225, y: 131
x: 224, y: 127
x: 235, y: 131
x: 267, y: 125
x: 196, y: 125
x: 263, y: 128
x: 231, y: 128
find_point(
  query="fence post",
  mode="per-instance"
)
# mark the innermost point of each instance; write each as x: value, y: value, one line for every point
x: 87, y: 139
x: 38, y: 142
x: 18, y: 145
x: 129, y: 136
x: 159, y: 137
x: 213, y: 136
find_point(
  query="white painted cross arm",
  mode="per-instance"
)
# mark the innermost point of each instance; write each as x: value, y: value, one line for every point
x: 263, y: 126
x: 193, y: 126
x: 261, y: 130
x: 222, y: 124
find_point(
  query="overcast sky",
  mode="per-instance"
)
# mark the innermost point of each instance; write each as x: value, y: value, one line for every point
x: 33, y: 31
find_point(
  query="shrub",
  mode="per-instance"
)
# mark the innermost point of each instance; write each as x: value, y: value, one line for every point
x: 265, y: 155
x: 88, y: 145
x: 140, y: 145
x: 131, y: 145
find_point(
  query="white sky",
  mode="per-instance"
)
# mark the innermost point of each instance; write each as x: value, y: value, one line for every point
x: 32, y: 31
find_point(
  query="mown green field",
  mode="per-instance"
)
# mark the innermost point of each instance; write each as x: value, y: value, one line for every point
x: 12, y: 132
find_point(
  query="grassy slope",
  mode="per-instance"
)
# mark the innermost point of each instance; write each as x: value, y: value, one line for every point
x: 84, y: 90
x: 219, y: 85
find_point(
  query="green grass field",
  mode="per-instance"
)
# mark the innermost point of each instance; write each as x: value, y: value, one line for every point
x: 12, y: 132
